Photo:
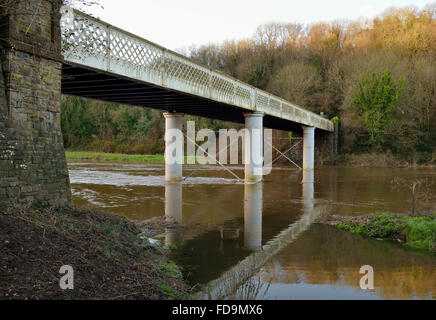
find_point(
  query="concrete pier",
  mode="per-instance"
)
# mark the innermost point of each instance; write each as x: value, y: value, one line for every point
x: 308, y: 148
x: 174, y: 147
x: 254, y: 147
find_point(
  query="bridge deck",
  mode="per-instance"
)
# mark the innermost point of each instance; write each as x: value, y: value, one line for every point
x: 107, y: 63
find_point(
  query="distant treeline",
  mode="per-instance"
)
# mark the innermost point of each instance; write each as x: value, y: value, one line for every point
x: 109, y: 127
x: 378, y: 77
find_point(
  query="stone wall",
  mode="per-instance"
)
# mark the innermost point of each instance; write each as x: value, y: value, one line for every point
x: 33, y: 167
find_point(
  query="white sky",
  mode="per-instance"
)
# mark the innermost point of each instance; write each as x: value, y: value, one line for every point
x: 176, y: 24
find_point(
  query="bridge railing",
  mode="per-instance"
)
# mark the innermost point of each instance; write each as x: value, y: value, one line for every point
x: 93, y: 43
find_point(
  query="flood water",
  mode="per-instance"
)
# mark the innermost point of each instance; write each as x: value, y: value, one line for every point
x: 266, y: 232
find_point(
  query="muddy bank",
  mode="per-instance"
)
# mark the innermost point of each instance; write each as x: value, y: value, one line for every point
x: 110, y: 257
x: 416, y: 232
x: 158, y: 226
x: 383, y: 160
x: 334, y: 220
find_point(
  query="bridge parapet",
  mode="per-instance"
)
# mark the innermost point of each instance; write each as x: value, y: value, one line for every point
x: 95, y: 44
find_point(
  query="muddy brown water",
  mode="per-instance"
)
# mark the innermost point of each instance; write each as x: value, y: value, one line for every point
x: 317, y: 262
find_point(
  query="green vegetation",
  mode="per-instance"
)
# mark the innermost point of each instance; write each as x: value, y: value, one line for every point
x: 375, y: 102
x: 109, y: 127
x: 170, y: 269
x: 166, y: 288
x: 413, y: 232
x: 114, y: 157
x: 347, y: 70
x: 173, y: 293
x: 173, y: 247
x: 92, y: 125
x: 330, y: 67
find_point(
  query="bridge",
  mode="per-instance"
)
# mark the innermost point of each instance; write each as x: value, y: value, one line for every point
x: 107, y: 63
x: 77, y: 54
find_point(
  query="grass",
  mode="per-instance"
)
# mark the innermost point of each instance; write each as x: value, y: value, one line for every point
x: 412, y: 232
x: 165, y: 288
x: 116, y: 157
x: 172, y: 292
x: 170, y: 270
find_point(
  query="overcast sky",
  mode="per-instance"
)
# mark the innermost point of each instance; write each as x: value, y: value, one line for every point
x: 176, y: 24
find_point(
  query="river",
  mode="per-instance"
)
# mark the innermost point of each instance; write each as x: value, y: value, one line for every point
x: 260, y: 241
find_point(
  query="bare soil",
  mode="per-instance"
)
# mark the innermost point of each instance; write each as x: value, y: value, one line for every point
x: 109, y: 259
x: 159, y: 225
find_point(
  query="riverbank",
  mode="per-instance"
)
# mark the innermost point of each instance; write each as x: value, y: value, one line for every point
x: 410, y: 231
x: 114, y: 157
x: 384, y: 160
x: 348, y: 160
x: 110, y: 257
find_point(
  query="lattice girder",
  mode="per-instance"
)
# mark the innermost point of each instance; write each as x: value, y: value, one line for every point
x: 93, y: 43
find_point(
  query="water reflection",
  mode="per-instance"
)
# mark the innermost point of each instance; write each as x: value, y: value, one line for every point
x: 324, y: 263
x: 173, y: 211
x: 173, y: 202
x: 241, y: 273
x: 320, y: 262
x: 307, y: 190
x: 253, y: 202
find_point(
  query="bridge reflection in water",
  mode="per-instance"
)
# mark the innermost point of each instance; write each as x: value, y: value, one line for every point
x: 253, y: 202
x: 253, y: 255
x: 173, y: 210
x: 231, y: 279
x: 322, y: 262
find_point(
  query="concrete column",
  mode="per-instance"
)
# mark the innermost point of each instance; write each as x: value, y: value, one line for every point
x: 174, y: 147
x: 253, y: 202
x: 253, y: 147
x: 308, y: 148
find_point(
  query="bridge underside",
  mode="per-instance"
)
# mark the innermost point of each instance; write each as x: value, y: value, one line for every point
x: 95, y: 84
